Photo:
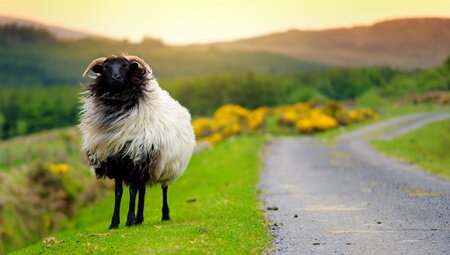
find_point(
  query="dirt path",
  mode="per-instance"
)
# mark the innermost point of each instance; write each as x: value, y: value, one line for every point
x: 348, y: 198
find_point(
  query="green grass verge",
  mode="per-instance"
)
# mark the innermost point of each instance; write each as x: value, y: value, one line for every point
x: 214, y: 210
x: 427, y: 147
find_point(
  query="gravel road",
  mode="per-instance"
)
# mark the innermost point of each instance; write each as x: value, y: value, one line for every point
x: 347, y: 198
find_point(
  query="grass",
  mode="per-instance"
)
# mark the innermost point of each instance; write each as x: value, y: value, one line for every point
x: 60, y: 145
x: 214, y: 210
x: 27, y: 211
x: 427, y: 147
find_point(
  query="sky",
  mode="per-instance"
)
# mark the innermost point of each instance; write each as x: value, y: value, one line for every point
x: 203, y: 21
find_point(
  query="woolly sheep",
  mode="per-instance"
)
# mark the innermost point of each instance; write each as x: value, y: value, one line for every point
x: 133, y: 132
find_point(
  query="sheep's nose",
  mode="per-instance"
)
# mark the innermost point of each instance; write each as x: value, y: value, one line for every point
x: 115, y: 76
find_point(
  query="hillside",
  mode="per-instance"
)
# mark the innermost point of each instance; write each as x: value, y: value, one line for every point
x: 50, y: 60
x: 34, y: 56
x: 403, y: 43
x: 58, y: 32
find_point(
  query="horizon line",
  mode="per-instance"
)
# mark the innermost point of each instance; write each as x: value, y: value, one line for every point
x: 298, y: 28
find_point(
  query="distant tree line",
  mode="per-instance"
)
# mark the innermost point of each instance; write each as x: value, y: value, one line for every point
x: 29, y: 109
x: 13, y: 33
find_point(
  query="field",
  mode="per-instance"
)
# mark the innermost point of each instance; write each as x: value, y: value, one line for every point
x: 214, y: 207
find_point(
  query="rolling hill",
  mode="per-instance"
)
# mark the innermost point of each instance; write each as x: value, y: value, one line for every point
x: 58, y: 32
x: 37, y: 54
x: 34, y: 56
x: 403, y: 43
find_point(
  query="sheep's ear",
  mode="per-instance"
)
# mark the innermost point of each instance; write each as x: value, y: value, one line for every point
x: 133, y: 67
x: 97, y: 68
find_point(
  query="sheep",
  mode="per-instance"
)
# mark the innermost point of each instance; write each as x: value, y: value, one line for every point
x: 133, y: 132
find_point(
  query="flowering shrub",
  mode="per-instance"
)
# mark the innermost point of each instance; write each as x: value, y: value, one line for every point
x: 232, y: 120
x: 304, y: 125
x: 213, y: 139
x: 257, y: 118
x: 204, y: 127
x: 322, y: 121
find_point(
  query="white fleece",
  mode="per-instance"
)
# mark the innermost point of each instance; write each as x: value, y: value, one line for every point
x: 158, y: 120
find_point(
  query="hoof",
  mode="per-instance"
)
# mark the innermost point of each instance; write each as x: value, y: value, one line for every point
x: 139, y: 221
x: 165, y: 218
x: 113, y: 226
x: 130, y: 223
x: 131, y: 220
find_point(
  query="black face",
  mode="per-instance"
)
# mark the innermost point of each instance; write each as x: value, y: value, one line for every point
x: 116, y: 72
x: 119, y: 86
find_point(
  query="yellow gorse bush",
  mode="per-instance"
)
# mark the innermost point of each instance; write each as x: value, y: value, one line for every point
x: 59, y: 168
x: 204, y: 127
x: 232, y: 120
x: 214, y: 138
x: 322, y: 121
x: 305, y: 125
x: 257, y: 118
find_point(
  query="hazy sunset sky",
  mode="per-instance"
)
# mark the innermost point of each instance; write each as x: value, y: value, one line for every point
x: 200, y: 21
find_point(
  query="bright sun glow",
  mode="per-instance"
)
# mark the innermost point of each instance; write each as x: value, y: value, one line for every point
x: 201, y: 21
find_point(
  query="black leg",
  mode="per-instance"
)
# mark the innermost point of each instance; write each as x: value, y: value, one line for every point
x: 165, y: 207
x: 133, y: 191
x: 140, y: 211
x: 118, y: 197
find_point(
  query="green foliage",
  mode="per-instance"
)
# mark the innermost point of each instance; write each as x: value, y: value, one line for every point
x: 2, y: 123
x: 203, y: 94
x: 426, y: 147
x: 403, y: 84
x: 214, y: 210
x: 28, y: 110
x: 345, y: 83
x: 304, y: 94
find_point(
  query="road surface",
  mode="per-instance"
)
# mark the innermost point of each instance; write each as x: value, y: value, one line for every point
x: 347, y: 198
